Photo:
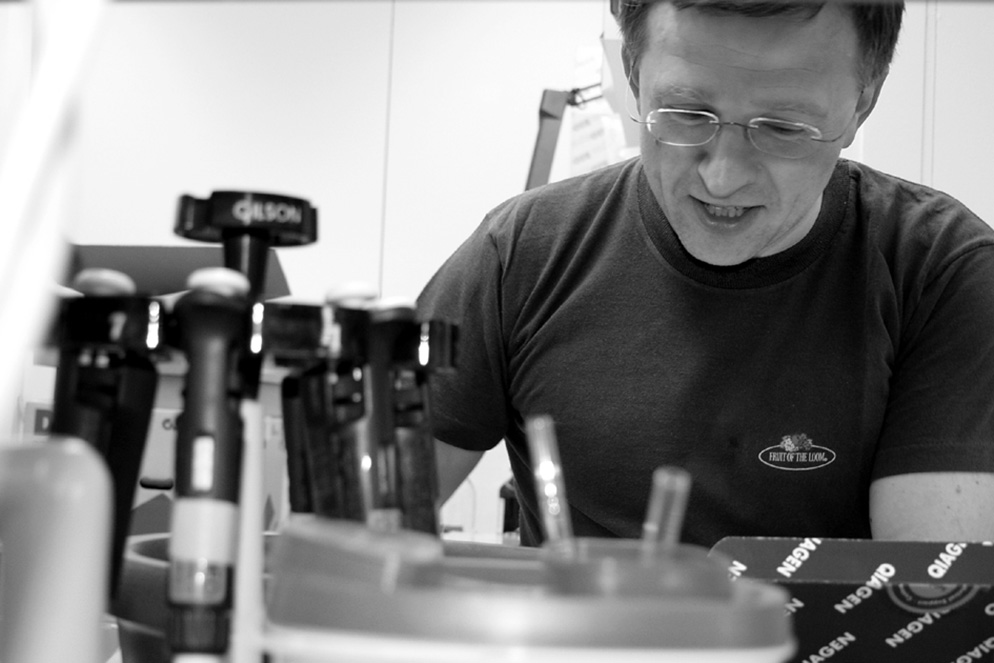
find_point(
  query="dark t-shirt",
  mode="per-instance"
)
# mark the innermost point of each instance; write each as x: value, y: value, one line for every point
x: 784, y: 385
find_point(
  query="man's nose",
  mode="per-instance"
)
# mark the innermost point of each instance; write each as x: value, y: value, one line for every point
x: 728, y: 161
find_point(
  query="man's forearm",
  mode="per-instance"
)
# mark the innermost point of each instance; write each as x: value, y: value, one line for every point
x: 933, y: 506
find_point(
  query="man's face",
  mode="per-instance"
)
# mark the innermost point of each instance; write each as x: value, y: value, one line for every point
x: 727, y: 201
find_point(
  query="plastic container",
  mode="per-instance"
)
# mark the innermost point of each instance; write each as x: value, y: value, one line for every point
x: 337, y: 592
x: 624, y: 567
x: 604, y: 601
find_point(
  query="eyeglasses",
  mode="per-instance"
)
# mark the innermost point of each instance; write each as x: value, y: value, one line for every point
x: 691, y: 128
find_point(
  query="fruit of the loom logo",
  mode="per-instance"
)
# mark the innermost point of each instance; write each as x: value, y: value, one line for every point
x: 796, y: 452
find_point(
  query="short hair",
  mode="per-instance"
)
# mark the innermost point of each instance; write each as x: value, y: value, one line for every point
x: 877, y: 25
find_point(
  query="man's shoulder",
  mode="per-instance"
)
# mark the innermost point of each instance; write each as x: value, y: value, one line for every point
x: 898, y: 211
x: 883, y: 195
x: 911, y: 236
x: 569, y: 202
x: 610, y: 176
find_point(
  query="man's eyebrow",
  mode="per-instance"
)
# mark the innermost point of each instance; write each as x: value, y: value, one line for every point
x: 679, y: 92
x: 682, y: 93
x: 811, y: 110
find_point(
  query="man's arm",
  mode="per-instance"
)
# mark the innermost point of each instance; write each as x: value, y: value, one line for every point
x: 933, y: 506
x: 454, y: 465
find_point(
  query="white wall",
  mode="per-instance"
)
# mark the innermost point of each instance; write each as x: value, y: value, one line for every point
x: 932, y: 122
x: 467, y: 81
x: 287, y: 97
x: 891, y: 139
x: 15, y: 65
x: 964, y: 96
x: 403, y: 122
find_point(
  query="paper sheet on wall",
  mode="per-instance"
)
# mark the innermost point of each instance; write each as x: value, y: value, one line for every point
x: 593, y: 134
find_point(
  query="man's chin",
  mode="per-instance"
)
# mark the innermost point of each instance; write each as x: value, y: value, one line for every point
x: 712, y: 252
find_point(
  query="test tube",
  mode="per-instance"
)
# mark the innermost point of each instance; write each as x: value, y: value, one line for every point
x: 667, y: 506
x: 549, y: 486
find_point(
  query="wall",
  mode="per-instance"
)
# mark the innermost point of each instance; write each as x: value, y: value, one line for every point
x: 402, y: 121
x: 930, y: 123
x: 15, y: 64
x: 962, y: 135
x: 282, y: 97
x: 467, y: 82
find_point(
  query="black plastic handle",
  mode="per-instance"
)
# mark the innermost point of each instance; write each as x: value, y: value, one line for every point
x: 247, y: 224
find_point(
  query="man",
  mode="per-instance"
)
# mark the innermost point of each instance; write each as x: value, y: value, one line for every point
x: 811, y: 339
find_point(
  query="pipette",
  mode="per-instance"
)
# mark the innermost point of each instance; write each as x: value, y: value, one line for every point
x: 107, y: 339
x: 211, y: 325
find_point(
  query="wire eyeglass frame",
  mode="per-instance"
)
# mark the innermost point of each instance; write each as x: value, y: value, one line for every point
x: 759, y: 130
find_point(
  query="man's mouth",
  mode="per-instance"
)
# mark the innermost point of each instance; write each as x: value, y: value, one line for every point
x: 725, y: 211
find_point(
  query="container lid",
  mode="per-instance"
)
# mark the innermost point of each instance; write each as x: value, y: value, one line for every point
x: 624, y: 567
x: 332, y: 575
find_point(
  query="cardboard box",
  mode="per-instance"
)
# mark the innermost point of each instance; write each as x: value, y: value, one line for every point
x: 878, y: 601
x: 162, y: 270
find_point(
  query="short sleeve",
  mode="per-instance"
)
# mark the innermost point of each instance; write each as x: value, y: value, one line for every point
x: 940, y: 417
x: 469, y: 404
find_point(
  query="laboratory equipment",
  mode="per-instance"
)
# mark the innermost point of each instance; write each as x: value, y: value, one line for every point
x: 108, y: 340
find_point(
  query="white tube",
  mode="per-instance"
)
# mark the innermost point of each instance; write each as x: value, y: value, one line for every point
x: 248, y: 613
x: 55, y: 523
x: 55, y: 499
x: 33, y: 251
x: 550, y: 487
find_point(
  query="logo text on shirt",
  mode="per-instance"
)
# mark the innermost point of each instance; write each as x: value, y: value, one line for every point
x: 796, y: 452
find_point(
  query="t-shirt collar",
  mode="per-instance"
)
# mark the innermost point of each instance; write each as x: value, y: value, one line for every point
x: 757, y: 272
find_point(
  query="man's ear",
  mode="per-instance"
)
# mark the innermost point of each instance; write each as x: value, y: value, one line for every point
x: 868, y: 99
x: 864, y: 106
x: 631, y: 73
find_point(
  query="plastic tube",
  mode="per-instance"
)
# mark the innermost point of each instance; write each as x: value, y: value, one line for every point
x: 34, y: 251
x: 549, y: 486
x: 667, y: 506
x: 55, y: 502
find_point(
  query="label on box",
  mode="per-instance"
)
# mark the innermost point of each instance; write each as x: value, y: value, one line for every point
x: 881, y: 601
